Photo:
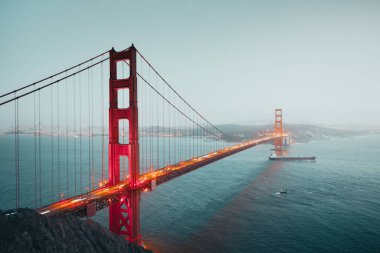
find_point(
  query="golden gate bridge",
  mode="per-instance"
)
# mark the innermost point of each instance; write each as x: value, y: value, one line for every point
x: 154, y: 136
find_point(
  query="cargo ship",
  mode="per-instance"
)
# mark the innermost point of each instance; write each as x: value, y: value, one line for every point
x: 273, y: 156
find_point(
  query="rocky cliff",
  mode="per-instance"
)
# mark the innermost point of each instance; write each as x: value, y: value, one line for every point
x: 28, y: 231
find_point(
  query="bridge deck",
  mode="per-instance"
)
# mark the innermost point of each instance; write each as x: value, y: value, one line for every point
x: 104, y: 196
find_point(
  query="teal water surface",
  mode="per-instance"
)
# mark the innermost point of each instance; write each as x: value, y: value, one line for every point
x: 332, y: 205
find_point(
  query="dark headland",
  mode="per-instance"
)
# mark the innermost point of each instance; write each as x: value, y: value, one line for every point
x: 29, y: 231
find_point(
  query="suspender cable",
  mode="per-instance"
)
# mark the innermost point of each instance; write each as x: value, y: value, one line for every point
x: 184, y: 144
x: 52, y: 144
x: 35, y: 150
x: 89, y: 128
x: 189, y: 122
x: 182, y: 137
x: 175, y: 136
x: 67, y: 140
x: 75, y: 142
x: 59, y: 172
x: 163, y: 136
x: 92, y: 132
x: 169, y: 132
x: 192, y: 135
x: 151, y: 128
x: 148, y: 127
x: 157, y: 130
x: 189, y: 135
x: 18, y: 157
x: 80, y: 134
x: 17, y: 153
x: 146, y: 130
x: 39, y: 146
x: 197, y: 136
x: 179, y: 136
x: 143, y: 140
x: 102, y: 105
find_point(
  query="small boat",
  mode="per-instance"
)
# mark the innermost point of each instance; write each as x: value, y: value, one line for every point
x: 282, y: 191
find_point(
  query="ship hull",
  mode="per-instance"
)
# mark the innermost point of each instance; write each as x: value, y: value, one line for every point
x: 289, y: 158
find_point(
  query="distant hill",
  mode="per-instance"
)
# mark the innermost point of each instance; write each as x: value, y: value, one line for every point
x: 298, y: 132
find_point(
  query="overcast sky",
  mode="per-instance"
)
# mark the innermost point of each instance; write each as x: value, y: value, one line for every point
x: 235, y: 61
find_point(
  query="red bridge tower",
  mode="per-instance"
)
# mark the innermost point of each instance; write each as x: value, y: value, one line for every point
x: 124, y: 215
x: 278, y: 131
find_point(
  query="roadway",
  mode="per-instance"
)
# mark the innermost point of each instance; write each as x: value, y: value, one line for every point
x: 106, y: 195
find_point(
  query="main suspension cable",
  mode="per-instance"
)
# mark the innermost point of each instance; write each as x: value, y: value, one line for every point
x: 49, y: 77
x: 51, y: 83
x: 180, y: 95
x: 175, y: 107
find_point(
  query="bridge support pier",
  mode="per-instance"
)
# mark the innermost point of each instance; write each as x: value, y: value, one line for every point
x: 124, y: 215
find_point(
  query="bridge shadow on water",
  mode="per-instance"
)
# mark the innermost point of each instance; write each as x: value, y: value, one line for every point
x: 213, y: 235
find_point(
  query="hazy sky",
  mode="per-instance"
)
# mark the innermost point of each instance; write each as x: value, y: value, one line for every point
x: 235, y: 61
